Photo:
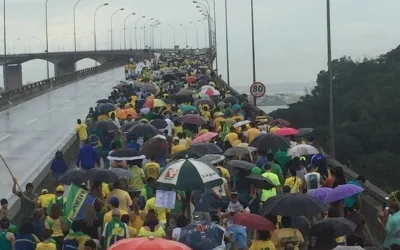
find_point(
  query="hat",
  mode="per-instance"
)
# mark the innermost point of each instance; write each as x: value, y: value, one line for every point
x: 114, y: 201
x: 45, y: 191
x: 234, y: 193
x: 175, y: 138
x: 60, y: 188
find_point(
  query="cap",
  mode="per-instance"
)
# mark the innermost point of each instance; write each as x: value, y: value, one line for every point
x: 60, y: 188
x: 45, y: 191
x: 114, y: 201
x: 234, y: 193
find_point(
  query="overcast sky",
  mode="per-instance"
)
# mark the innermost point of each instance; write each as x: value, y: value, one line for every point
x: 290, y: 35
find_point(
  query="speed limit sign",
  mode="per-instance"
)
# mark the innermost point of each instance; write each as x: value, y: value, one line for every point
x: 257, y: 89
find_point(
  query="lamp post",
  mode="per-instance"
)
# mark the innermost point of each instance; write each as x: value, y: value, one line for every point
x: 227, y: 43
x: 152, y: 26
x: 112, y: 16
x: 76, y: 4
x: 132, y: 14
x: 173, y: 32
x: 197, y: 34
x: 137, y: 20
x: 253, y: 50
x: 5, y: 47
x: 94, y: 28
x: 329, y: 51
x: 47, y: 40
x: 144, y: 31
x: 184, y: 26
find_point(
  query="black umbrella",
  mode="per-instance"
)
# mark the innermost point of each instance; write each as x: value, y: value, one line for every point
x: 103, y: 126
x: 157, y: 146
x: 169, y: 101
x: 128, y: 125
x: 332, y: 227
x: 231, y: 99
x: 205, y: 102
x: 105, y: 107
x: 169, y: 77
x: 185, y: 92
x: 75, y: 176
x: 205, y: 148
x: 304, y: 131
x: 186, y: 154
x: 236, y: 151
x: 269, y: 142
x: 125, y: 154
x: 105, y: 101
x: 293, y: 205
x: 107, y: 175
x: 260, y: 182
x: 159, y: 123
x: 212, y: 158
x: 240, y: 164
x: 145, y: 130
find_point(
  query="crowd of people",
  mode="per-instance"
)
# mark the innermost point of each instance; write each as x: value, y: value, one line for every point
x: 266, y: 185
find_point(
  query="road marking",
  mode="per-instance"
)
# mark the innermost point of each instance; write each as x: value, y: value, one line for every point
x: 31, y: 121
x: 50, y: 110
x: 79, y: 94
x: 5, y: 137
x: 65, y: 101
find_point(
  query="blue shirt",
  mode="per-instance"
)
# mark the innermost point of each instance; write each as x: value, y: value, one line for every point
x: 350, y: 201
x: 392, y: 230
x: 133, y: 145
x: 202, y: 200
x: 261, y: 162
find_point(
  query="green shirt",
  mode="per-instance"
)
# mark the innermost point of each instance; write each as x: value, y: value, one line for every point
x: 282, y: 158
x: 180, y: 197
x: 276, y: 169
x: 266, y: 194
x: 114, y: 228
x: 149, y: 192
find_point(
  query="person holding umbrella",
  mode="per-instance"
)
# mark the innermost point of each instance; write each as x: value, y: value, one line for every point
x: 263, y: 241
x: 287, y: 235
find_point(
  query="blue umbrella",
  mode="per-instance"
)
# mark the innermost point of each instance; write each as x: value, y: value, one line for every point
x: 202, y: 235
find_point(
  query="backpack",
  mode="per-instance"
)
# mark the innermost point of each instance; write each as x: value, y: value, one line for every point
x: 114, y: 238
x: 70, y: 244
x: 313, y: 180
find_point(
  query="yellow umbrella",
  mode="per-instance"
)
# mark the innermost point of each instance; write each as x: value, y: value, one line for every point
x: 274, y: 129
x: 159, y: 103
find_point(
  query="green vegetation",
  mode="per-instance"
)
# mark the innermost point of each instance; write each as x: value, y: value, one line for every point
x: 366, y: 114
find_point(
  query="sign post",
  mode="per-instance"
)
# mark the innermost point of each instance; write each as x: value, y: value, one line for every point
x: 257, y: 90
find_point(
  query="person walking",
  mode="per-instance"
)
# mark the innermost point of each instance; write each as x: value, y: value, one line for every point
x: 81, y: 129
x: 87, y: 157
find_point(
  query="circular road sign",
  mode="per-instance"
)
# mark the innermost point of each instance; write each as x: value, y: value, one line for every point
x: 257, y: 89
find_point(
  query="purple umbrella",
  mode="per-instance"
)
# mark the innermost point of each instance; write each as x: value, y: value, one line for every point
x: 319, y: 193
x: 341, y: 192
x: 193, y: 119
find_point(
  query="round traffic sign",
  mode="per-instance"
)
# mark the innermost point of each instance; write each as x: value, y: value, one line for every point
x: 257, y: 89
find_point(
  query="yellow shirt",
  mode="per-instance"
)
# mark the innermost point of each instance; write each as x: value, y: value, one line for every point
x: 177, y: 129
x: 138, y: 222
x: 132, y: 232
x: 105, y: 189
x: 177, y: 148
x: 252, y: 133
x: 225, y: 172
x: 266, y: 194
x: 46, y: 246
x: 152, y: 169
x: 124, y: 198
x: 207, y: 116
x: 160, y: 212
x: 108, y: 216
x: 262, y: 245
x: 188, y: 142
x: 82, y: 131
x: 159, y: 233
x: 294, y: 183
x: 202, y: 132
x: 55, y: 225
x: 281, y: 237
x: 102, y: 118
x: 217, y: 122
x: 45, y: 199
x: 231, y: 137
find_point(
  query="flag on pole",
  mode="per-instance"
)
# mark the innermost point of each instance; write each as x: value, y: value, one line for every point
x: 77, y: 201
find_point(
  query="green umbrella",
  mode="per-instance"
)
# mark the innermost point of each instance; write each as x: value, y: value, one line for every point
x: 187, y: 108
x: 189, y: 174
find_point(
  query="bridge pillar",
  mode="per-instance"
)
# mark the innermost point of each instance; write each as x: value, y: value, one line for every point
x: 12, y: 76
x: 64, y: 68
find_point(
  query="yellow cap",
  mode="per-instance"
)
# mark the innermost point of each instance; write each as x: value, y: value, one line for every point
x: 60, y: 188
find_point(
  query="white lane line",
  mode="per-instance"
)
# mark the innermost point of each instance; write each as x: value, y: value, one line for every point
x: 79, y: 94
x: 31, y: 121
x: 5, y: 137
x: 65, y: 101
x: 50, y: 110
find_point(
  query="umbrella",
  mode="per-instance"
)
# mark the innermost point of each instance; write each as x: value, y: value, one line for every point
x: 103, y: 126
x: 148, y: 243
x: 156, y: 145
x: 107, y: 175
x: 302, y: 149
x: 319, y: 193
x: 186, y: 154
x: 188, y: 174
x: 76, y: 176
x: 210, y: 92
x: 241, y: 123
x: 159, y: 123
x: 204, y: 137
x: 281, y: 122
x: 187, y: 108
x: 105, y: 101
x: 125, y: 154
x: 296, y: 204
x: 286, y: 131
x: 105, y: 107
x: 128, y: 125
x: 149, y: 88
x: 236, y: 151
x: 212, y: 158
x: 260, y: 182
x: 231, y: 99
x: 169, y: 78
x: 269, y: 142
x: 342, y: 191
x: 205, y: 87
x: 202, y: 235
x: 253, y: 221
x: 194, y: 119
x: 205, y: 148
x: 332, y: 227
x: 191, y: 79
x: 240, y: 164
x: 304, y: 131
x: 205, y: 102
x: 145, y: 130
x: 185, y: 92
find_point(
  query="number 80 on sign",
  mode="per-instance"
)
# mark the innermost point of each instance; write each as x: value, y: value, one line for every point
x: 257, y: 89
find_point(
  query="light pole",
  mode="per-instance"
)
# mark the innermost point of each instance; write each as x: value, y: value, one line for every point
x: 47, y: 40
x: 253, y: 49
x: 5, y: 47
x: 152, y: 26
x: 94, y: 29
x: 76, y: 4
x: 207, y: 15
x: 197, y: 34
x: 112, y: 16
x: 137, y: 20
x: 184, y: 26
x: 227, y: 43
x: 144, y: 32
x: 173, y: 33
x: 132, y: 14
x: 329, y: 45
x: 205, y: 32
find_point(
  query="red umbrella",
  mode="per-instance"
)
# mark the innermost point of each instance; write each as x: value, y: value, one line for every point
x: 286, y: 131
x: 148, y: 243
x: 253, y: 221
x: 191, y: 79
x: 193, y: 119
x: 204, y: 137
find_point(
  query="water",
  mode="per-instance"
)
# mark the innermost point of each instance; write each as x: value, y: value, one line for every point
x: 269, y: 109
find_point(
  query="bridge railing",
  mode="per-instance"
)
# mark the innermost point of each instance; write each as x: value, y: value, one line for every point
x: 372, y: 198
x: 32, y: 89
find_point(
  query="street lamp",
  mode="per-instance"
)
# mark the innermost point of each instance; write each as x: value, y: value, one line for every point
x: 137, y: 20
x: 329, y: 45
x: 94, y: 28
x: 5, y: 47
x: 184, y: 26
x: 173, y: 32
x: 47, y: 40
x: 112, y: 16
x: 144, y: 31
x: 132, y: 14
x: 152, y: 26
x: 205, y: 32
x: 227, y: 43
x: 253, y: 50
x: 197, y: 34
x: 76, y: 4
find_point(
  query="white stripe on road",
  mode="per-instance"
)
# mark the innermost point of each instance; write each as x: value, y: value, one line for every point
x: 31, y: 121
x: 65, y: 101
x: 50, y: 110
x: 5, y: 137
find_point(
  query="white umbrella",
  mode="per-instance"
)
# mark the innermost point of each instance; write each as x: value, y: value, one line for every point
x: 241, y: 123
x: 207, y: 87
x: 302, y: 149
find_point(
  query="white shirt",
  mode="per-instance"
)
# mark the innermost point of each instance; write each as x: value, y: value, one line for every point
x: 169, y: 126
x: 313, y: 180
x: 116, y: 122
x: 176, y: 233
x: 220, y: 190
